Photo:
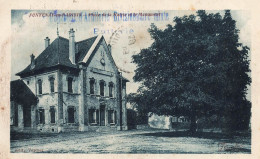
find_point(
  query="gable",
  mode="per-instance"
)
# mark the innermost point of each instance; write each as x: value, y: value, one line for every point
x: 100, y: 57
x: 83, y: 47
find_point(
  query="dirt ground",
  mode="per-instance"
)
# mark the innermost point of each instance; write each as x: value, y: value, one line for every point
x: 132, y: 141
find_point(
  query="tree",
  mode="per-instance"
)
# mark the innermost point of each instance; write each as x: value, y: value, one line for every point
x: 196, y: 67
x: 137, y: 103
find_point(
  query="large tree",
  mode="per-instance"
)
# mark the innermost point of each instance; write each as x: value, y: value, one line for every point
x: 196, y: 67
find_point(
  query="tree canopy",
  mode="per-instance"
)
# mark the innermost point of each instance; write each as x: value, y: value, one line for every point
x: 195, y: 67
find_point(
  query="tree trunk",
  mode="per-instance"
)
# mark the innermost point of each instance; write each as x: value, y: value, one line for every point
x: 193, y: 124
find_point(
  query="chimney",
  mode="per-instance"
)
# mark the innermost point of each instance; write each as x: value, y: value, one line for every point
x: 109, y: 48
x: 32, y: 60
x: 47, y: 42
x: 72, y: 46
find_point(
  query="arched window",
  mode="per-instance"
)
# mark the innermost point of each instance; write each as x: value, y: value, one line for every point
x: 111, y: 89
x: 70, y: 79
x: 102, y: 88
x: 39, y: 86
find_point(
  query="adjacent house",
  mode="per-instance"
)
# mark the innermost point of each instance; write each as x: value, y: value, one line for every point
x: 70, y: 86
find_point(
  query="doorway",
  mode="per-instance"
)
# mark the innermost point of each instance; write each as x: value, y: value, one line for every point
x: 102, y: 115
x: 27, y: 116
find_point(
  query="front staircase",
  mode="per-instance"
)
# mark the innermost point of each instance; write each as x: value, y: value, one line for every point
x: 70, y: 128
x: 102, y: 128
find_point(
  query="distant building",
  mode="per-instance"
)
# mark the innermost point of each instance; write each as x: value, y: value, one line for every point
x: 70, y: 86
x: 167, y: 122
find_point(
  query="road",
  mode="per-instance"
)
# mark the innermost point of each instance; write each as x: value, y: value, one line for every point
x: 132, y: 141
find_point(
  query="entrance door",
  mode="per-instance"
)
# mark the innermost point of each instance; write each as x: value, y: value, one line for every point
x: 102, y: 115
x: 27, y: 116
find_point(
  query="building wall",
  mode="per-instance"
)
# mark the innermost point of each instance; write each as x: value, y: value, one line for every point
x: 46, y: 99
x: 109, y: 69
x: 159, y: 121
x: 75, y: 83
x: 63, y: 100
x: 45, y: 82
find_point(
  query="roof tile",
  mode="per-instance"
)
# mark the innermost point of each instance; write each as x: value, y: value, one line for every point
x: 58, y: 54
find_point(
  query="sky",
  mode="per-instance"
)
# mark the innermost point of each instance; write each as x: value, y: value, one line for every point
x: 126, y: 37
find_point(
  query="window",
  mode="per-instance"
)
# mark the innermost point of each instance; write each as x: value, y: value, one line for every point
x: 41, y: 116
x: 52, y: 114
x: 97, y: 116
x: 115, y: 117
x: 92, y: 84
x: 93, y: 116
x: 39, y: 86
x: 70, y: 79
x: 15, y: 117
x: 111, y: 85
x: 71, y: 118
x: 102, y: 87
x: 111, y: 116
x: 51, y: 79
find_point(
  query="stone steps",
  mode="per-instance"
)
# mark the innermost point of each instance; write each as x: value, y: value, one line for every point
x: 70, y: 128
x: 102, y: 128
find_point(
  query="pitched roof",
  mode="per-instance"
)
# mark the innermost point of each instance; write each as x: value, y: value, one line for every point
x: 57, y: 54
x: 91, y: 49
x: 21, y: 94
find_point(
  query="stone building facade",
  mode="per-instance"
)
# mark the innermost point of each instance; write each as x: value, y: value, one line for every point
x: 77, y: 85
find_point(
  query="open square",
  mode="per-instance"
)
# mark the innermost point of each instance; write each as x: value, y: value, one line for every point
x: 132, y: 141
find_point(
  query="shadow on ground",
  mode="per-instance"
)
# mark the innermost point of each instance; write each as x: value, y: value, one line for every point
x: 237, y: 138
x: 132, y: 141
x: 22, y: 135
x: 205, y: 135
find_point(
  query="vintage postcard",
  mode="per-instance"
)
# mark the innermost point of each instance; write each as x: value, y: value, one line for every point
x: 142, y: 81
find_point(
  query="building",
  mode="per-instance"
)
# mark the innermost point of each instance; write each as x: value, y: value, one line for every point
x: 168, y: 122
x: 77, y: 86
